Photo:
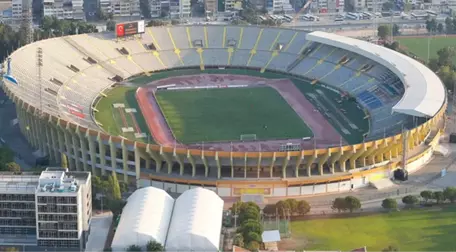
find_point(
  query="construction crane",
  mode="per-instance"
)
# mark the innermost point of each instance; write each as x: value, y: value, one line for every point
x: 309, y: 2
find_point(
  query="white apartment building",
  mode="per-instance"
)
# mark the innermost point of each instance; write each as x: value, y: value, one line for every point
x: 278, y: 6
x: 64, y: 9
x: 52, y: 210
x: 179, y: 8
x: 17, y: 9
x: 121, y: 8
x: 63, y: 209
x: 329, y: 6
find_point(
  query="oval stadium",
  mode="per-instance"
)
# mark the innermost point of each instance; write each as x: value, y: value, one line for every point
x: 236, y: 109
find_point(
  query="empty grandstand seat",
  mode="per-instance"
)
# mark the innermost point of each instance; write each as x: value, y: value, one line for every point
x: 90, y: 60
x: 73, y: 68
x: 117, y: 78
x: 369, y: 99
x: 123, y: 51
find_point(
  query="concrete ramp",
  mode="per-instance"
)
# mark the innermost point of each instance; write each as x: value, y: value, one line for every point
x: 443, y: 150
x: 382, y: 183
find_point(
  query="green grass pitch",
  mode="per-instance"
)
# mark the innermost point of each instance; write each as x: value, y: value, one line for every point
x: 419, y: 46
x: 225, y: 114
x: 112, y: 123
x: 416, y: 230
x: 110, y: 117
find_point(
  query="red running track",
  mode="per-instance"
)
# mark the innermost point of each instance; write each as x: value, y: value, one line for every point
x: 154, y: 119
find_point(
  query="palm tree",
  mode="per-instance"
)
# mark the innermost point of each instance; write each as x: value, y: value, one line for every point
x: 153, y: 246
x: 133, y: 248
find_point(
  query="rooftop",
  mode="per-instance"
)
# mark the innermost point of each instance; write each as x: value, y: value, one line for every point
x: 18, y: 183
x: 59, y: 180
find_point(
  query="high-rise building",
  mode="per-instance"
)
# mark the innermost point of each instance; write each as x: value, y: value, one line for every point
x: 64, y: 9
x: 121, y: 8
x: 52, y: 210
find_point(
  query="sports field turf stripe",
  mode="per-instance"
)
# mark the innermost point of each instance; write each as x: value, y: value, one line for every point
x: 122, y: 116
x: 133, y: 119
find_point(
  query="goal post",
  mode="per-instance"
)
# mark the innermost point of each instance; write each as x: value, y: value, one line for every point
x: 248, y: 137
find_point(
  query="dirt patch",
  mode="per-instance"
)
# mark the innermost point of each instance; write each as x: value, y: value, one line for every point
x: 293, y: 243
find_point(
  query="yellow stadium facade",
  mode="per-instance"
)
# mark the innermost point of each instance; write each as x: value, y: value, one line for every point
x: 229, y: 173
x: 84, y: 146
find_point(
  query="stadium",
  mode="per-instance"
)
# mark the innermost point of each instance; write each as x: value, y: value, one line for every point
x: 235, y: 109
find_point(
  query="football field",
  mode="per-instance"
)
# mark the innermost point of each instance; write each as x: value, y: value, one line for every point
x: 419, y: 45
x: 215, y: 115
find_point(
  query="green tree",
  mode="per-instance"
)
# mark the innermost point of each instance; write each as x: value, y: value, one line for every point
x: 270, y: 210
x: 438, y: 196
x: 293, y: 204
x: 111, y: 25
x: 64, y: 160
x: 13, y: 167
x: 238, y: 240
x: 450, y: 194
x: 6, y: 156
x: 107, y: 249
x: 446, y: 56
x: 431, y: 25
x: 390, y: 204
x: 352, y: 203
x: 410, y: 200
x: 252, y: 236
x: 11, y: 249
x: 250, y: 226
x: 145, y: 8
x: 115, y: 206
x: 339, y: 204
x: 383, y: 31
x: 156, y: 22
x: 426, y: 195
x: 123, y: 187
x: 249, y: 213
x: 303, y: 207
x: 153, y: 246
x: 283, y: 207
x: 396, y: 30
x: 115, y: 188
x: 133, y: 248
x: 449, y: 27
x: 253, y: 246
x: 440, y: 28
x: 433, y: 64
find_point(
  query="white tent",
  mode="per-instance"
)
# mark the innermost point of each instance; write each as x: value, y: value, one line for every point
x: 196, y: 222
x: 145, y: 217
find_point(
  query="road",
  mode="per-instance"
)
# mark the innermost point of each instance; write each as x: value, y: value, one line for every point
x: 12, y: 136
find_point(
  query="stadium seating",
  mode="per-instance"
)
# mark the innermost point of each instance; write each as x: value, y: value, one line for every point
x: 92, y: 61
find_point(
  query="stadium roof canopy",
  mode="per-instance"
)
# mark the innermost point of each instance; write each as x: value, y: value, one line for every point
x: 424, y: 92
x: 145, y: 217
x: 196, y: 222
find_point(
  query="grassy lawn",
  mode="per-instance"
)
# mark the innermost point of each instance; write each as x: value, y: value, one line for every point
x: 419, y: 46
x: 110, y: 118
x: 418, y: 230
x: 225, y: 114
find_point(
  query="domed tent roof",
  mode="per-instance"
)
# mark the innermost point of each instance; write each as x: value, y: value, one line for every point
x: 196, y: 222
x: 145, y: 217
